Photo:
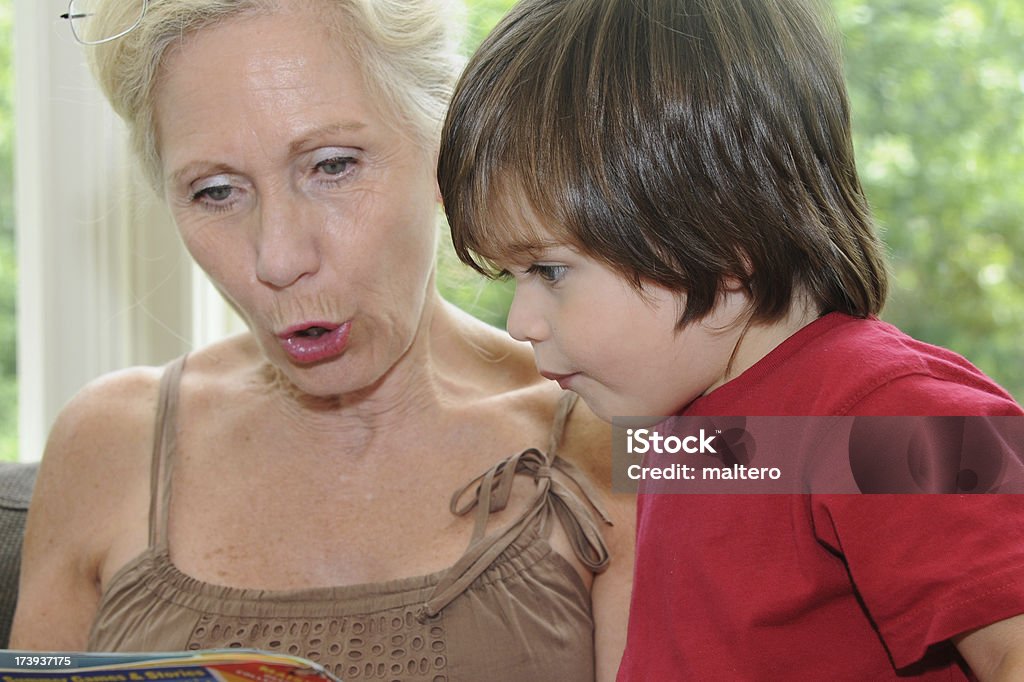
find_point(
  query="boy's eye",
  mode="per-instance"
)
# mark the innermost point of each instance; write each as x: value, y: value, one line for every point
x: 548, y: 273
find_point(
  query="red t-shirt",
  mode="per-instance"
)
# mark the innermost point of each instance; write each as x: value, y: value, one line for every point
x: 827, y: 587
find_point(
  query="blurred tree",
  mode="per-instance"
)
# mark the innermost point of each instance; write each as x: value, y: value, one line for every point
x: 481, y: 16
x: 937, y: 90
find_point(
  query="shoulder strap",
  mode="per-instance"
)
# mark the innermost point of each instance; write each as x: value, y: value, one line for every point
x: 492, y: 491
x: 164, y: 433
x: 562, y: 411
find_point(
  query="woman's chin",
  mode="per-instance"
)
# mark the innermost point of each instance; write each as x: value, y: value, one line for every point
x: 322, y: 380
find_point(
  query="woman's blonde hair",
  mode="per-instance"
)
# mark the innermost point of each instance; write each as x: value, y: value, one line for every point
x: 407, y: 50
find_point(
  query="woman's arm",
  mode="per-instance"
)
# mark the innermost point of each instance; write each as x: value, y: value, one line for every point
x: 995, y: 653
x: 92, y: 481
x: 611, y: 591
x: 588, y: 445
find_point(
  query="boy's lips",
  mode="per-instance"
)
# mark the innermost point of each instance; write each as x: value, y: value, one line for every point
x: 310, y: 342
x: 564, y: 380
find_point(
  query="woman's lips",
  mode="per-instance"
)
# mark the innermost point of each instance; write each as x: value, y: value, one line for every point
x: 311, y: 342
x: 564, y: 380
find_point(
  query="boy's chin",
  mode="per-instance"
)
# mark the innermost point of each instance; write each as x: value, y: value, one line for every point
x: 619, y: 412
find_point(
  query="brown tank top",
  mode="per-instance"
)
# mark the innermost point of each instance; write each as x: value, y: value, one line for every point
x: 511, y: 608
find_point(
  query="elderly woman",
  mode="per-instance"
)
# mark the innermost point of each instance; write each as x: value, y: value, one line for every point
x: 288, y: 489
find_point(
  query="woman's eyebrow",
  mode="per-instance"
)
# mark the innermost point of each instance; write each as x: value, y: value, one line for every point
x: 324, y: 131
x: 294, y: 147
x: 195, y: 167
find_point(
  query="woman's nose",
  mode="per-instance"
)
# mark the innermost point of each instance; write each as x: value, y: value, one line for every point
x: 288, y: 246
x: 525, y: 321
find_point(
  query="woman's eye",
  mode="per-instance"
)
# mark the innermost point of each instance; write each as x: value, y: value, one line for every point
x: 548, y: 273
x: 335, y: 166
x: 218, y: 193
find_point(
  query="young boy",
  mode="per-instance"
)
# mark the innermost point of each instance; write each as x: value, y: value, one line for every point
x: 672, y: 185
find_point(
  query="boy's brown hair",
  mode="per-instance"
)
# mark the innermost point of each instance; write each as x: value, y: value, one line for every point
x: 679, y: 141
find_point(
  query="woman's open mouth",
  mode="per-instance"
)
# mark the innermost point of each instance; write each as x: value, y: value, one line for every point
x: 311, y: 342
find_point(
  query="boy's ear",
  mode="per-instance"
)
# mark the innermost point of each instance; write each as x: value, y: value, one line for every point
x: 735, y: 295
x: 732, y: 284
x: 748, y: 264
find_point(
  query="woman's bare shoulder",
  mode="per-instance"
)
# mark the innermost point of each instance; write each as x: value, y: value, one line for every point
x: 88, y: 509
x: 93, y: 474
x: 585, y: 440
x: 117, y: 410
x: 98, y: 448
x: 508, y: 379
x: 110, y: 415
x: 497, y: 363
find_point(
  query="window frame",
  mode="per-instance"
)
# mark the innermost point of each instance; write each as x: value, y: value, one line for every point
x: 104, y: 282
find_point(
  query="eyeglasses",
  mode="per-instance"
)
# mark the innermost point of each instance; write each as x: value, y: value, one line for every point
x: 80, y: 13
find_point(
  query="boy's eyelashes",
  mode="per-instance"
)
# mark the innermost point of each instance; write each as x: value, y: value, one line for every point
x: 550, y: 273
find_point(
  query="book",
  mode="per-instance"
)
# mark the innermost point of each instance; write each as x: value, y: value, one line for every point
x: 209, y: 665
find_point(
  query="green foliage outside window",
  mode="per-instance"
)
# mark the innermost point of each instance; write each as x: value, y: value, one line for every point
x: 938, y: 96
x: 489, y: 301
x: 8, y: 266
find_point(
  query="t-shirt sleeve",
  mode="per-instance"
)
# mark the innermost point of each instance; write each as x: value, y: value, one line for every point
x: 929, y: 567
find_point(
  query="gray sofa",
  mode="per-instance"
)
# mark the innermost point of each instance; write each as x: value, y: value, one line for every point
x: 16, y: 482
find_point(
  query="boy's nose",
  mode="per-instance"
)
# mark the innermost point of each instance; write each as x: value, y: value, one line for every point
x: 525, y: 323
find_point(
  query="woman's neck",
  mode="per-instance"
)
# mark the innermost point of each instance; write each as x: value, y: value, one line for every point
x: 450, y: 363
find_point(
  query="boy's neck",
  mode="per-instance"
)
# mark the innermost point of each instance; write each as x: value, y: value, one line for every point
x: 761, y: 338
